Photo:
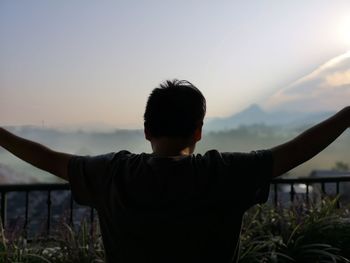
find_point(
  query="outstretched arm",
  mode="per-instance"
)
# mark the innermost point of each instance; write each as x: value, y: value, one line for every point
x: 305, y: 146
x: 36, y: 154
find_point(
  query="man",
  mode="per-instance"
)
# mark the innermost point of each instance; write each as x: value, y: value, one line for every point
x: 172, y: 205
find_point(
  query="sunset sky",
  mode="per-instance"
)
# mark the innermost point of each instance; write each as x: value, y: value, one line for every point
x: 76, y: 63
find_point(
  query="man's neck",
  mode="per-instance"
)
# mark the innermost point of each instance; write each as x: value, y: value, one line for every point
x: 171, y: 147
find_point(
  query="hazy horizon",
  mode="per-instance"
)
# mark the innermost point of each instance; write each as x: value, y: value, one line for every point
x: 243, y: 139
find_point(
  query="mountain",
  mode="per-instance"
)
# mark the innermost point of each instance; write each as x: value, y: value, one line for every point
x: 10, y: 176
x: 256, y: 115
x: 306, y: 101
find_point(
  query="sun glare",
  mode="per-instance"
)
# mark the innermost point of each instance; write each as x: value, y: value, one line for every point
x: 344, y: 30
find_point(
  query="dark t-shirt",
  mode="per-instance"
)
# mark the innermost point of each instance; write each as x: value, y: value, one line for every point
x: 171, y: 209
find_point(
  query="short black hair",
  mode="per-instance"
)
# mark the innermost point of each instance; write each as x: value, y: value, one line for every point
x: 174, y: 109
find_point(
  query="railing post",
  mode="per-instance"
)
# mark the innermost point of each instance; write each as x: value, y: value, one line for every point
x: 91, y: 222
x: 323, y: 187
x: 338, y: 196
x: 3, y: 208
x: 48, y: 211
x: 26, y: 211
x: 292, y: 192
x: 71, y: 209
x: 275, y: 194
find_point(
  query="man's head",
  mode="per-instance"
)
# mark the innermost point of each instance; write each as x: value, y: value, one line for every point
x: 175, y: 109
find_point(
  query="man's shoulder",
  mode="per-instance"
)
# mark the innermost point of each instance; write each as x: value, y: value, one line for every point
x: 210, y: 157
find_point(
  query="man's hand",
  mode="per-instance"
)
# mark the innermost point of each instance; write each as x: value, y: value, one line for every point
x: 36, y: 154
x: 297, y: 151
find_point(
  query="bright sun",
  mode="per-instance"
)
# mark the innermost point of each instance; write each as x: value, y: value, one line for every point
x: 344, y: 30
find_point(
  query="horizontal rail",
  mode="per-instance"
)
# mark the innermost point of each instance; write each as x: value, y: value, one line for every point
x: 33, y: 187
x: 310, y: 180
x: 66, y: 186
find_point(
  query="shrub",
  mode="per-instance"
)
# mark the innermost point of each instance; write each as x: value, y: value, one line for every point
x: 299, y: 233
x: 64, y: 246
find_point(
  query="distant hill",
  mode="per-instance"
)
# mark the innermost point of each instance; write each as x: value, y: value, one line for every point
x: 9, y: 176
x: 256, y: 115
x: 245, y: 138
x: 305, y: 101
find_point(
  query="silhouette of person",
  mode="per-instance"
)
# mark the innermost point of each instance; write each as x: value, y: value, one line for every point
x: 172, y: 205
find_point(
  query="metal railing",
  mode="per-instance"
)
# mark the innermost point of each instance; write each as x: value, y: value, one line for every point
x: 50, y: 188
x: 308, y: 182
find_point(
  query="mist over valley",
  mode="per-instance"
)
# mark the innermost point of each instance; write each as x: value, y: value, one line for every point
x: 272, y: 121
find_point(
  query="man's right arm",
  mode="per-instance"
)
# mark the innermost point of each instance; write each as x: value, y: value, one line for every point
x: 308, y: 144
x: 36, y: 154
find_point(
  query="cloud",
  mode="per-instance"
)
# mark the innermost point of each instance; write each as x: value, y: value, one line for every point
x: 326, y: 88
x: 338, y: 79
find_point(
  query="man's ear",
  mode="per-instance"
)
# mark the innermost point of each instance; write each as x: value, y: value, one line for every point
x: 147, y: 134
x: 198, y: 132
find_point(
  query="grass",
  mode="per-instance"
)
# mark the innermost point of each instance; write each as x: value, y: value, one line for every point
x: 299, y: 233
x: 65, y: 245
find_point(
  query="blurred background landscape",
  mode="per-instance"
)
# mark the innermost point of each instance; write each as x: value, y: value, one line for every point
x: 75, y: 76
x: 251, y: 129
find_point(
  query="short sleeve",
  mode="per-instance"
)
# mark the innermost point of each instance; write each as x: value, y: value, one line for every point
x: 249, y: 175
x: 89, y: 176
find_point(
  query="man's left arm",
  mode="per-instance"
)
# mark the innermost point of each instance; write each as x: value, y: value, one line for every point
x: 308, y: 144
x: 36, y: 154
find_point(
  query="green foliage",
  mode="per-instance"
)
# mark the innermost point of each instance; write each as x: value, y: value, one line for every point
x: 340, y: 166
x: 301, y: 233
x: 65, y: 246
x: 81, y: 246
x: 17, y: 250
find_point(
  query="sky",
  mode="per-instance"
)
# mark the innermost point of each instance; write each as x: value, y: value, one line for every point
x: 94, y: 63
x: 327, y: 88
